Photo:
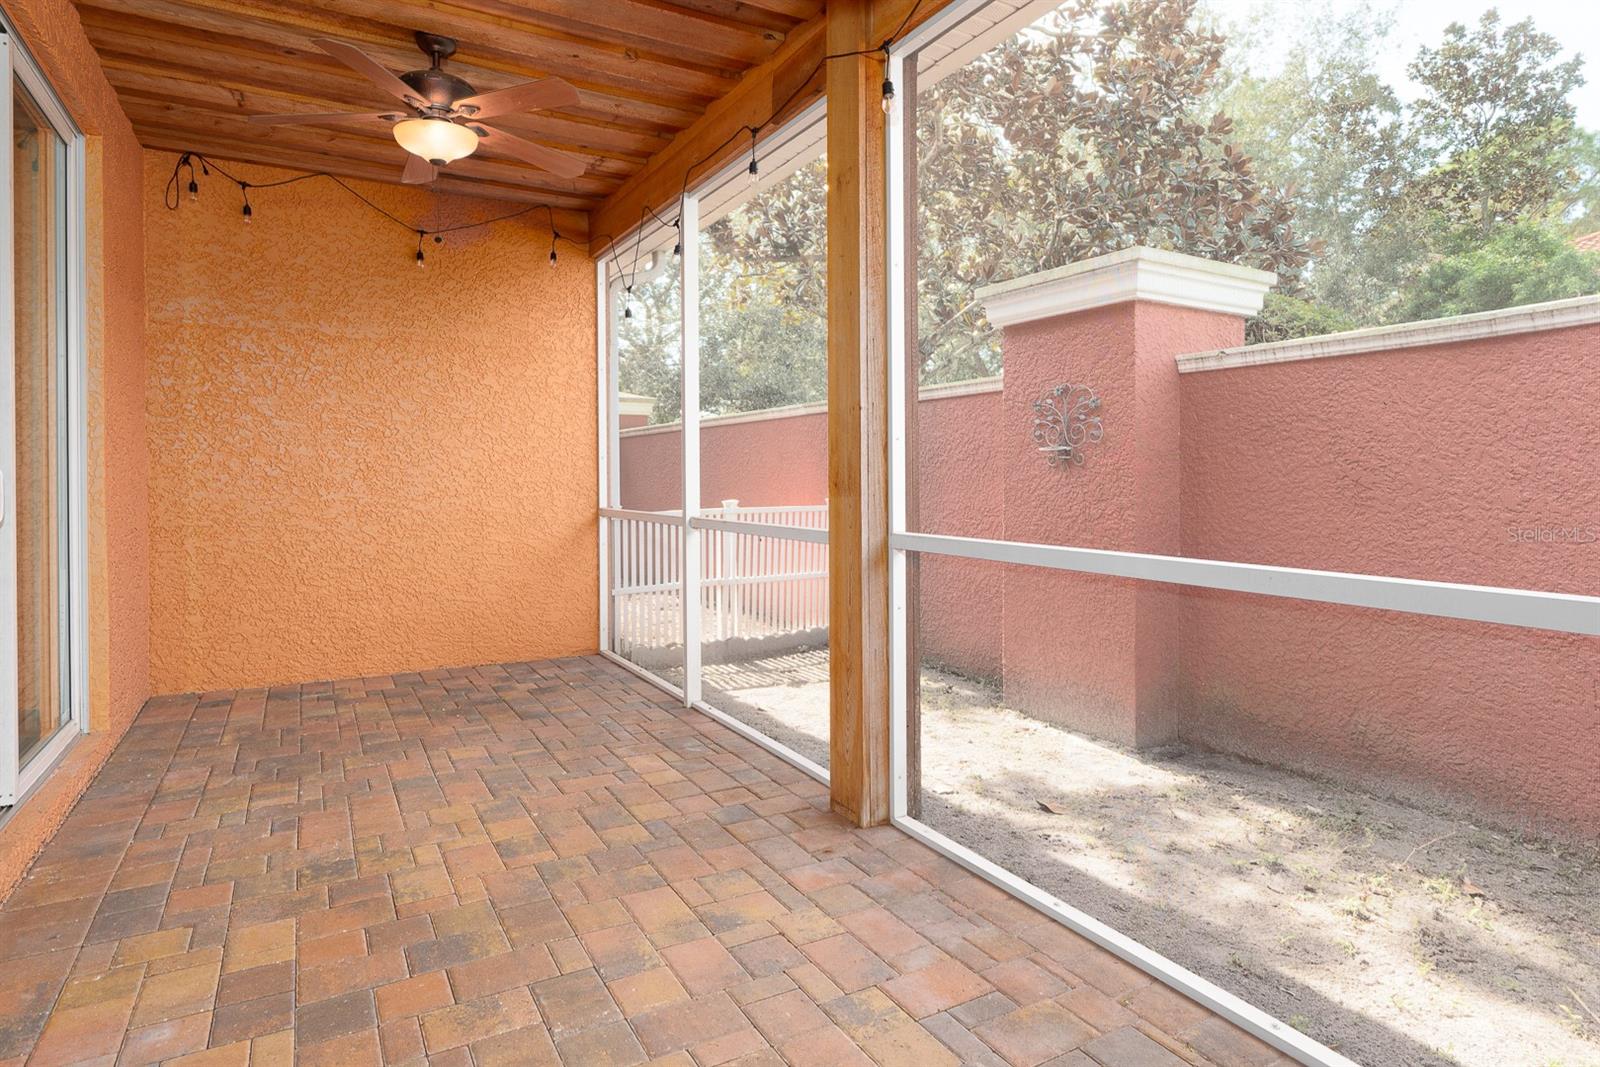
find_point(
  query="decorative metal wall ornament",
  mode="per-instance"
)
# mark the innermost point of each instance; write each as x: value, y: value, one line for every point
x: 1066, y: 419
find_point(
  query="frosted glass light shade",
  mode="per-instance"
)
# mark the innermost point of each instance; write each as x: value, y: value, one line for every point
x: 436, y: 140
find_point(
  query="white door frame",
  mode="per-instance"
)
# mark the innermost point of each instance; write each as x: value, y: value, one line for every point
x: 16, y: 782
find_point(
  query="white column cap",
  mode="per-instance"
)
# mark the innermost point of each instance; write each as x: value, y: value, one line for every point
x: 1136, y: 273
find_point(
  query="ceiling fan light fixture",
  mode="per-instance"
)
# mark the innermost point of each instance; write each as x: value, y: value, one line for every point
x: 439, y: 141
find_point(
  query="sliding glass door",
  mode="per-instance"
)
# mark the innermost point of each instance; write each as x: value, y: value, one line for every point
x: 37, y: 449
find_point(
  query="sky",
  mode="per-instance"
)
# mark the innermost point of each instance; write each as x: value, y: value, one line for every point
x: 1575, y: 23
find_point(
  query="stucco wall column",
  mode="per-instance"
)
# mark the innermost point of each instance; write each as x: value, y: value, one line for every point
x: 1099, y: 654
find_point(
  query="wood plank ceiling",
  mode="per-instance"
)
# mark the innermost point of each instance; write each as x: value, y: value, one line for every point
x: 188, y: 72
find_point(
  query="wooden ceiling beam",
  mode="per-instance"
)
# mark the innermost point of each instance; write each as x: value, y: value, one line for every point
x: 603, y: 172
x: 248, y: 70
x: 759, y: 12
x: 889, y: 16
x: 287, y: 29
x: 791, y: 74
x: 661, y: 83
x: 495, y: 42
x: 207, y: 94
x: 703, y: 36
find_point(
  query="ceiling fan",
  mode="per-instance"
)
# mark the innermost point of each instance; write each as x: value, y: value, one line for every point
x: 443, y: 120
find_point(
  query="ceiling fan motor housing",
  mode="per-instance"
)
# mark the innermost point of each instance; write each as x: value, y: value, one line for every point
x: 439, y: 88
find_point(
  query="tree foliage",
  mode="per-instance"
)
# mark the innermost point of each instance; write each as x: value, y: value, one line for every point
x: 763, y: 307
x: 1085, y: 134
x: 1284, y: 317
x: 1390, y: 191
x: 1496, y: 112
x: 764, y: 296
x: 1326, y: 125
x: 1110, y: 123
x: 1520, y: 263
x: 646, y: 321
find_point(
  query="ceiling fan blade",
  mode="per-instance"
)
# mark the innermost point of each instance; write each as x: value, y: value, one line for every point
x: 529, y: 96
x: 418, y: 171
x: 359, y: 61
x: 311, y: 120
x: 561, y: 164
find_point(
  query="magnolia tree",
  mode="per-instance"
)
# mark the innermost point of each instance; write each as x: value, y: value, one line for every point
x: 1087, y: 133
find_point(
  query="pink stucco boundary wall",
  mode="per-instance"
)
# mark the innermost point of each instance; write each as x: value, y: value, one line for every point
x: 779, y: 458
x: 1468, y: 461
x: 1473, y: 461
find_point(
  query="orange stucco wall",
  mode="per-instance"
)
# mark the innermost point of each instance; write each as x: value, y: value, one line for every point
x: 118, y: 543
x: 359, y: 467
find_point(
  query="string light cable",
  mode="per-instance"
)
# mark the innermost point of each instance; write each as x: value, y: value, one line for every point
x: 187, y: 160
x: 754, y: 133
x: 186, y: 164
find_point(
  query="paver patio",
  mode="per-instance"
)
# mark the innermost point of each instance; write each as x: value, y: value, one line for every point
x: 528, y: 863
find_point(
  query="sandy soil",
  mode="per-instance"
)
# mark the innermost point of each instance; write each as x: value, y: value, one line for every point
x: 1398, y: 934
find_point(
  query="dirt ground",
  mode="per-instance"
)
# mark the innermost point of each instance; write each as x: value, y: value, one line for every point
x: 1397, y: 934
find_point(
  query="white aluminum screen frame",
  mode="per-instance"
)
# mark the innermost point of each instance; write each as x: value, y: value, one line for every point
x: 1228, y: 1005
x: 1576, y: 614
x: 793, y: 145
x: 1514, y: 607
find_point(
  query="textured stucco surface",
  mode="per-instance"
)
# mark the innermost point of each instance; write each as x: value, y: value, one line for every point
x: 1099, y: 654
x: 760, y: 463
x: 1424, y: 463
x: 959, y: 618
x: 359, y: 467
x: 774, y: 462
x: 1473, y: 462
x: 118, y: 543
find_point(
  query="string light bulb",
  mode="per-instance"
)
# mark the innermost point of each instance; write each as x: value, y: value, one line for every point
x: 194, y: 189
x: 246, y: 212
x: 554, y: 237
x: 244, y: 191
x: 754, y: 171
x: 627, y: 302
x: 888, y: 83
x: 421, y: 259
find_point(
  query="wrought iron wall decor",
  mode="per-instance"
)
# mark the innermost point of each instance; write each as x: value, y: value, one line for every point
x: 1066, y: 419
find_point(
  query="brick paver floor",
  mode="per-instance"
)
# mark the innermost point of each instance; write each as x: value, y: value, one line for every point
x: 531, y: 863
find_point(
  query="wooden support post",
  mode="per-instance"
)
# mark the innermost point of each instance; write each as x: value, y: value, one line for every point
x: 858, y: 420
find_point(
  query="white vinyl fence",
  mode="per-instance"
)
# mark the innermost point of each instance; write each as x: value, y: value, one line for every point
x: 646, y: 584
x: 752, y: 586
